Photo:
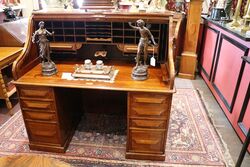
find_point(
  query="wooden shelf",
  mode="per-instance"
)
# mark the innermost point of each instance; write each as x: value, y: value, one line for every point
x: 89, y: 29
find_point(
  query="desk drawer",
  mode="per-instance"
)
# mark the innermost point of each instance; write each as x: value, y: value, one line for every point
x: 140, y: 123
x: 149, y: 105
x: 150, y: 110
x: 147, y: 141
x: 43, y: 132
x: 47, y: 106
x: 36, y: 92
x: 149, y: 98
x: 39, y: 116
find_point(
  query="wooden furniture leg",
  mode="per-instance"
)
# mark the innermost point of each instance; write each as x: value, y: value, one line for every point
x: 4, y: 91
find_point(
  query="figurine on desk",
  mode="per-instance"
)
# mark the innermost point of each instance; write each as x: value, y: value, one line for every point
x: 10, y: 15
x: 140, y: 72
x: 48, y: 66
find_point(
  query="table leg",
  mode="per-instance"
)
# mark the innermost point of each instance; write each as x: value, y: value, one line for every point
x: 4, y: 92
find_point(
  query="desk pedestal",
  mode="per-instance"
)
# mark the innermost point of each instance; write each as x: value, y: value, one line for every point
x: 52, y: 114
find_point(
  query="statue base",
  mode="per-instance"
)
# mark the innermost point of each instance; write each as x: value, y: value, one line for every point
x: 140, y: 73
x: 48, y: 68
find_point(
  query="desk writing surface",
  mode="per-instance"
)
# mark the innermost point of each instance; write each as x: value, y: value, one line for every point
x: 123, y: 80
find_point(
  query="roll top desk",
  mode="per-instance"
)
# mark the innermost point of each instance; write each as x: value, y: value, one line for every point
x: 52, y: 106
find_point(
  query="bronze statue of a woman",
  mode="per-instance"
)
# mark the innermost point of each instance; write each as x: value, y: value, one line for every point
x: 140, y: 71
x: 48, y: 66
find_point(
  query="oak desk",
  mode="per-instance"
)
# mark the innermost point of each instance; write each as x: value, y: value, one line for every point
x: 52, y: 106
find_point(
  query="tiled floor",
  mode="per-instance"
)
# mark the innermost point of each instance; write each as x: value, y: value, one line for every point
x: 220, y: 121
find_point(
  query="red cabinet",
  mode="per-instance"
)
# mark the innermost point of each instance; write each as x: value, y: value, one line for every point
x: 227, y: 74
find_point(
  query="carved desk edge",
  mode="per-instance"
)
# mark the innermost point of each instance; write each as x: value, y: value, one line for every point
x: 28, y: 58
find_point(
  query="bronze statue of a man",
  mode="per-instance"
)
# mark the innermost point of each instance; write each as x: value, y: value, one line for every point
x: 140, y: 71
x: 48, y: 66
x: 144, y: 41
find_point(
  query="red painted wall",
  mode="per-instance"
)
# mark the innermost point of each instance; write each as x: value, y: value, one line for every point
x: 229, y: 79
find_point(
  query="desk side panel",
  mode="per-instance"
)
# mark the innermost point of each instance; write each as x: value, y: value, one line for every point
x: 50, y: 115
x: 148, y: 119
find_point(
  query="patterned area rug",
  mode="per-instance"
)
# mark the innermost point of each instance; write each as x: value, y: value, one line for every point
x: 191, y: 141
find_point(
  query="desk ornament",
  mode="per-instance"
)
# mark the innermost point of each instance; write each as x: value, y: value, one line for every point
x: 140, y: 72
x: 246, y: 25
x: 94, y: 72
x: 236, y: 17
x: 48, y: 66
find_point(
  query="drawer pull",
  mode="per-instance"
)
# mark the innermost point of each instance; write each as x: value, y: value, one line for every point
x: 39, y: 116
x: 144, y: 141
x: 38, y: 105
x: 148, y: 112
x: 34, y: 93
x: 149, y: 100
x: 148, y: 124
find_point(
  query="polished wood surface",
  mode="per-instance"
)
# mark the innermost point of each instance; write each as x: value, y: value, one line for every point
x: 189, y: 55
x: 50, y: 116
x: 12, y: 37
x: 52, y: 106
x: 148, y: 115
x: 123, y: 80
x: 28, y: 58
x: 7, y: 57
x: 30, y: 161
x: 8, y: 54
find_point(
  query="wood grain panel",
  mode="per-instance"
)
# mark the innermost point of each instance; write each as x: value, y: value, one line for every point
x: 31, y: 160
x: 38, y: 105
x: 146, y: 141
x: 157, y: 124
x: 36, y: 92
x: 149, y: 100
x: 43, y: 132
x: 155, y: 98
x: 149, y: 110
x: 150, y: 104
x: 123, y: 80
x: 40, y: 116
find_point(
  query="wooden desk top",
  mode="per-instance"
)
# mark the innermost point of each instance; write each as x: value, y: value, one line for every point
x: 8, y: 54
x: 123, y: 81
